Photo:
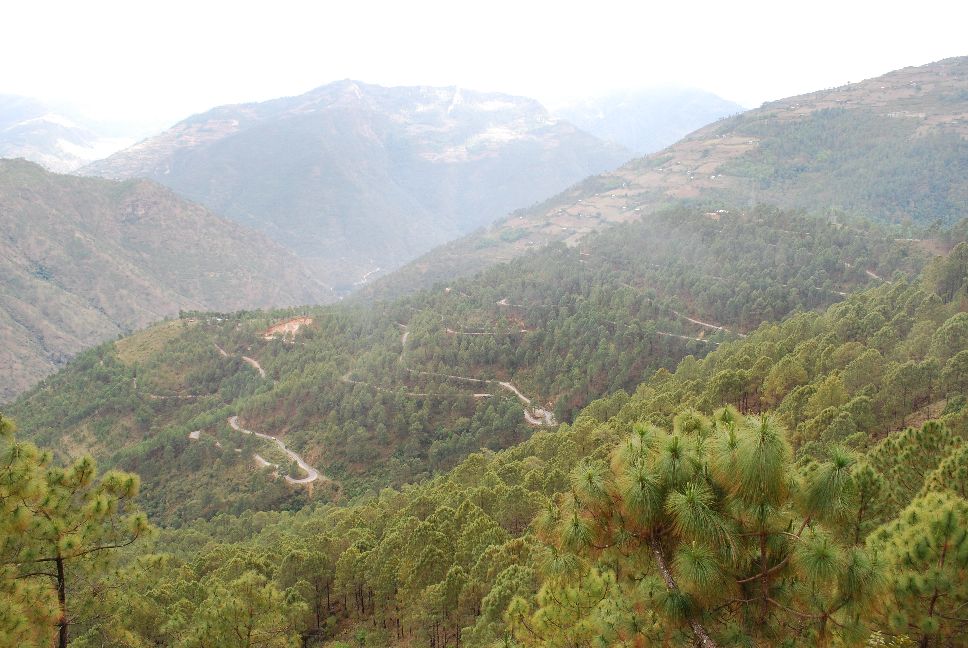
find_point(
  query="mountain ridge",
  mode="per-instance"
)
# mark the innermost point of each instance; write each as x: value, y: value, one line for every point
x: 891, y: 148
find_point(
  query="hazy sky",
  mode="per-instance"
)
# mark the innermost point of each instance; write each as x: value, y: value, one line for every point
x: 162, y: 60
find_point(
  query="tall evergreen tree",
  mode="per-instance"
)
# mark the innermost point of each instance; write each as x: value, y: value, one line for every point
x: 67, y: 523
x: 708, y: 535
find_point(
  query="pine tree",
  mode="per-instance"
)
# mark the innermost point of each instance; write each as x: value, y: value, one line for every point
x: 951, y: 474
x: 907, y: 457
x: 708, y: 535
x: 69, y: 524
x: 927, y: 551
x: 28, y: 608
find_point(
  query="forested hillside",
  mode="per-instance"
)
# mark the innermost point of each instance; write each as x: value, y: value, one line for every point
x: 891, y: 149
x: 84, y: 260
x: 377, y: 395
x: 820, y: 507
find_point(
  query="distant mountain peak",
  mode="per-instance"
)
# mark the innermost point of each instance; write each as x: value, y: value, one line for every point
x: 353, y: 175
x: 649, y: 119
x: 44, y: 134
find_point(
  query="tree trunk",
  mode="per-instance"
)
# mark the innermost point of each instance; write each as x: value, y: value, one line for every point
x: 823, y: 639
x: 62, y: 603
x: 925, y: 639
x: 765, y: 582
x: 702, y: 635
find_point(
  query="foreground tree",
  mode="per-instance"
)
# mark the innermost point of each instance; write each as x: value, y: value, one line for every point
x: 63, y: 521
x: 927, y: 546
x: 709, y: 536
x: 27, y: 607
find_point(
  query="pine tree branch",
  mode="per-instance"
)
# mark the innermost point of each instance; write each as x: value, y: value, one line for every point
x: 37, y: 573
x: 780, y: 565
x: 77, y: 555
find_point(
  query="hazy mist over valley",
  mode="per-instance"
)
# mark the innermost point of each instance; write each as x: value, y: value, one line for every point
x: 436, y: 325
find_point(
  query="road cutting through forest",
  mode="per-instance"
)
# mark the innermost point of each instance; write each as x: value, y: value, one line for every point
x: 252, y: 362
x: 686, y: 337
x: 539, y: 416
x: 311, y: 473
x: 869, y: 273
x: 533, y: 415
x: 714, y: 327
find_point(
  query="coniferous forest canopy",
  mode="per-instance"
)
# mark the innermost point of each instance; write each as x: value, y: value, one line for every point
x: 720, y: 422
x: 804, y: 483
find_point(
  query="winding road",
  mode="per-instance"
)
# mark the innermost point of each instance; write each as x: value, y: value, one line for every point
x: 252, y: 362
x: 533, y: 415
x: 311, y: 473
x: 714, y: 327
x: 686, y: 337
x: 538, y: 416
x: 869, y: 273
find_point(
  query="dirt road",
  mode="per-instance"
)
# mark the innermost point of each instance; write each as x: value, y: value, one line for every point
x: 311, y: 473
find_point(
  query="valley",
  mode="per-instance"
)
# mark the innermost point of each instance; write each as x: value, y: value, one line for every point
x: 383, y: 394
x: 717, y: 396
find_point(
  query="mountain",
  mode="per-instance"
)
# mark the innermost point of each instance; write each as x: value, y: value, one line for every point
x: 357, y: 178
x: 892, y: 149
x: 86, y: 259
x: 647, y: 120
x: 53, y: 136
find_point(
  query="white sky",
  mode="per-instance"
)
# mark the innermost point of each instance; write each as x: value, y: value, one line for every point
x: 163, y: 60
